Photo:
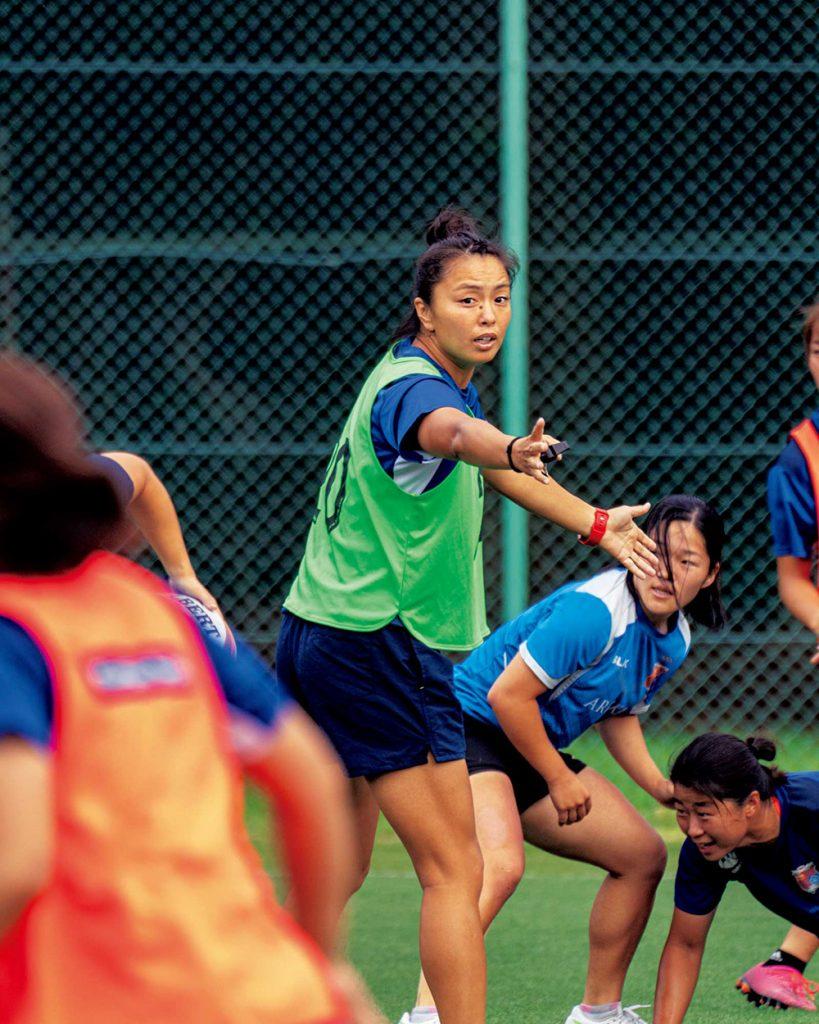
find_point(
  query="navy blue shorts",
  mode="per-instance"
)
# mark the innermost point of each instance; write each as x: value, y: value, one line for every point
x: 385, y: 699
x: 489, y: 749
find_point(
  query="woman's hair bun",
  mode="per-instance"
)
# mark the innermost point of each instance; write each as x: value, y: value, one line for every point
x: 762, y: 748
x: 452, y: 220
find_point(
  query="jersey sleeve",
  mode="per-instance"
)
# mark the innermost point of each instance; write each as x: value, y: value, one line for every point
x: 573, y: 636
x: 400, y: 407
x: 698, y: 887
x: 792, y: 505
x: 121, y: 482
x: 26, y: 697
x: 249, y: 686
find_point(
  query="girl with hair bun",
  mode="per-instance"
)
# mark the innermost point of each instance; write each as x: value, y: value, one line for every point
x: 393, y: 573
x: 745, y: 823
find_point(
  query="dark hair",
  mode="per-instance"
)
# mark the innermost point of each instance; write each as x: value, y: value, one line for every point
x: 810, y: 315
x: 707, y: 608
x: 451, y: 234
x: 55, y: 507
x: 723, y: 767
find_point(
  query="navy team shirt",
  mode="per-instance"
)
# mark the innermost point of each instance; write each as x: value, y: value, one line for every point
x: 783, y: 875
x: 593, y: 649
x: 27, y: 702
x: 792, y: 503
x: 397, y: 412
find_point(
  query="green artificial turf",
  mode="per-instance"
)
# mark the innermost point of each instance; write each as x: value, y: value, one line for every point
x: 537, y: 946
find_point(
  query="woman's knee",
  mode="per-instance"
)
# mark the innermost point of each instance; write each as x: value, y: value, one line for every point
x: 461, y: 866
x: 502, y: 872
x: 645, y: 858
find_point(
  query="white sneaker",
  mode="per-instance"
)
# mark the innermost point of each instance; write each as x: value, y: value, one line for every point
x: 625, y: 1015
x: 405, y: 1019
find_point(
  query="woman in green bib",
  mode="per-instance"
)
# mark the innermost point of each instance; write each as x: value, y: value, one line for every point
x: 393, y: 573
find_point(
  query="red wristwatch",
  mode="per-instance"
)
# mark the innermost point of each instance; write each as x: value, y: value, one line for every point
x: 601, y: 520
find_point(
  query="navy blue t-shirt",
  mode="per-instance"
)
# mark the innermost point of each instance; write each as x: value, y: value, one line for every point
x: 783, y: 875
x: 397, y: 412
x: 792, y: 503
x: 27, y: 703
x: 121, y: 482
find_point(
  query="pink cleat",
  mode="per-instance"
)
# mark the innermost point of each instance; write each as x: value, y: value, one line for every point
x: 778, y: 986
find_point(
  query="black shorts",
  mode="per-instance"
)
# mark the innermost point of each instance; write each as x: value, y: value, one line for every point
x: 385, y: 700
x: 489, y: 750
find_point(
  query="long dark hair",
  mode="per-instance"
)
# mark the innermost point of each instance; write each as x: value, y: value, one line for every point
x: 724, y: 767
x: 452, y: 233
x: 55, y: 507
x: 707, y: 607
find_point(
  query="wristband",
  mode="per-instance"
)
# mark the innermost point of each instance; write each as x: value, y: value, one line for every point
x: 512, y: 466
x: 601, y: 520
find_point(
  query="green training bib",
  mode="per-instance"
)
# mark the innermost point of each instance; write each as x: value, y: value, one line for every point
x: 375, y: 552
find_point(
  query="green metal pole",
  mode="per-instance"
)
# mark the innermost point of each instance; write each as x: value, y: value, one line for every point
x: 514, y: 179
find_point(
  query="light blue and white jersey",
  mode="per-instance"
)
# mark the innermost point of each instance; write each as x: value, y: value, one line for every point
x: 593, y: 648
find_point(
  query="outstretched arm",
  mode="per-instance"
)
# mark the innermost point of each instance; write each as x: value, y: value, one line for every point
x: 623, y: 736
x: 680, y: 966
x: 623, y: 539
x: 153, y: 511
x: 452, y: 434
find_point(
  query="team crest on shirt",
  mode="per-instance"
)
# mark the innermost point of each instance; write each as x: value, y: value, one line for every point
x: 730, y: 862
x: 807, y: 877
x: 654, y: 675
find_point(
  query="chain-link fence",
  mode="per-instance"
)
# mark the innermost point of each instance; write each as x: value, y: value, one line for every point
x: 209, y: 212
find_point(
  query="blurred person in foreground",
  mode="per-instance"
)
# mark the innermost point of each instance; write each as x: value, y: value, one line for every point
x: 743, y: 823
x: 129, y: 890
x: 793, y: 501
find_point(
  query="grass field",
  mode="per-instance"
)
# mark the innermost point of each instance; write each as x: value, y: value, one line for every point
x: 537, y: 946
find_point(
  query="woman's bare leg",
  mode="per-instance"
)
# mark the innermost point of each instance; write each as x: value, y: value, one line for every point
x: 615, y: 837
x: 430, y: 808
x: 501, y: 841
x: 365, y: 812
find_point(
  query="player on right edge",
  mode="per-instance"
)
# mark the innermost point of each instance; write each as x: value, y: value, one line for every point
x: 793, y: 486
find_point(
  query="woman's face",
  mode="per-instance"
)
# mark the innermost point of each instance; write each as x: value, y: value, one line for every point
x: 715, y: 827
x: 469, y: 309
x: 688, y: 556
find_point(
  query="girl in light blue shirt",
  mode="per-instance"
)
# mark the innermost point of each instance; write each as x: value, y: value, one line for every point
x: 593, y: 653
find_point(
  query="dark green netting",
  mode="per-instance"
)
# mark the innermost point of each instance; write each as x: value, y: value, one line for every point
x: 208, y: 215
